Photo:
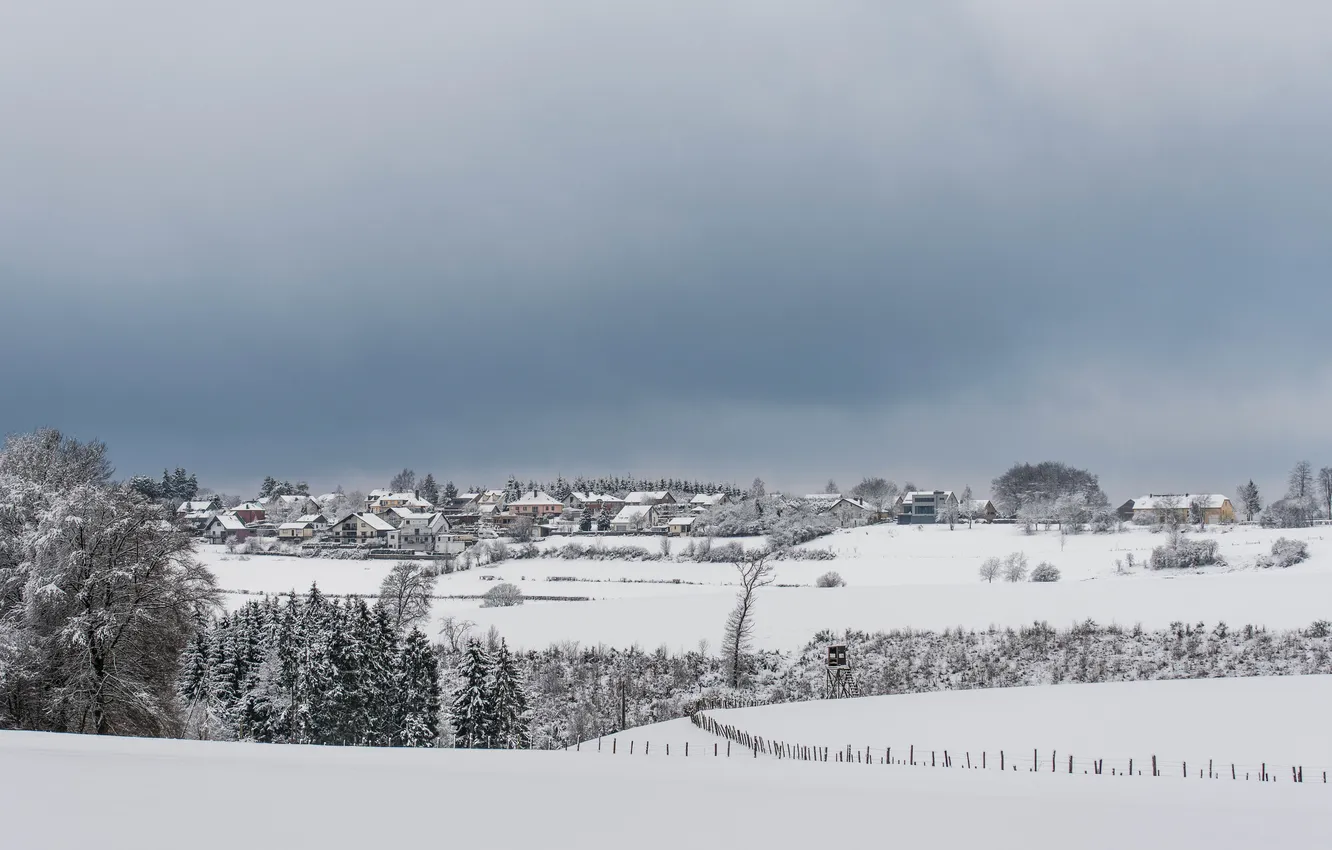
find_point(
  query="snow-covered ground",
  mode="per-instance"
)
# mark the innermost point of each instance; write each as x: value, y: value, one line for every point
x: 68, y: 791
x: 1280, y: 721
x: 917, y: 577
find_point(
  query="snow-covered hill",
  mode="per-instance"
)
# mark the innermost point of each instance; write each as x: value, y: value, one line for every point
x: 62, y: 792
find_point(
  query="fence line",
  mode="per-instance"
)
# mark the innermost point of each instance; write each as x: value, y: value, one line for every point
x: 752, y: 745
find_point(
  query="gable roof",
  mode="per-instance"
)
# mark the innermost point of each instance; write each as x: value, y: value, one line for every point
x: 312, y: 518
x: 230, y: 522
x: 683, y: 520
x: 641, y: 496
x: 295, y: 525
x: 633, y: 512
x: 195, y: 505
x: 248, y: 506
x: 535, y: 499
x: 1182, y: 501
x: 708, y: 499
x: 375, y: 521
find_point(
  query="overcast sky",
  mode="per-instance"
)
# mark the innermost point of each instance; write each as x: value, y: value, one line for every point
x: 325, y: 240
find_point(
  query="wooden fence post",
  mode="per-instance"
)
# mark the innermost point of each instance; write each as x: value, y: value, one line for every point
x: 1001, y: 759
x: 1154, y: 773
x: 1070, y: 764
x: 614, y: 741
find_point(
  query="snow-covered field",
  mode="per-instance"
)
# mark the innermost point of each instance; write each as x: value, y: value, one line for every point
x: 218, y: 795
x: 917, y: 577
x: 1280, y: 721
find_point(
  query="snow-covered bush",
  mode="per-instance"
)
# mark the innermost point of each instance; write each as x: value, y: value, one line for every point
x: 1103, y: 521
x: 1186, y: 554
x: 1045, y: 571
x: 784, y: 522
x: 1285, y: 553
x: 804, y: 555
x: 831, y: 579
x: 502, y: 595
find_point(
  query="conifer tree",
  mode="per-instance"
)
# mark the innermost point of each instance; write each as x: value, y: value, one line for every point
x: 473, y: 723
x: 430, y: 490
x: 417, y: 687
x: 450, y: 491
x: 508, y: 701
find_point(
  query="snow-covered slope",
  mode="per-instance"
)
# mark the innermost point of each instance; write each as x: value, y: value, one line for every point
x: 1280, y: 721
x: 918, y: 577
x: 74, y: 792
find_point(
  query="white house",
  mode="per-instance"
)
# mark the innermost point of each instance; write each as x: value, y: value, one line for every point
x: 704, y: 501
x: 634, y: 518
x: 923, y: 506
x: 362, y: 527
x: 299, y: 530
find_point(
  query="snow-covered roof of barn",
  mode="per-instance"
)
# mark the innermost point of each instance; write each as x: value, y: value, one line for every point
x: 1153, y: 501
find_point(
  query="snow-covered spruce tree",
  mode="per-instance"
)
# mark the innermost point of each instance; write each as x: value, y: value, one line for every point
x: 508, y: 699
x: 473, y: 720
x: 416, y: 715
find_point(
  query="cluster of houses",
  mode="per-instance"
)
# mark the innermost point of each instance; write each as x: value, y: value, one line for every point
x: 403, y: 521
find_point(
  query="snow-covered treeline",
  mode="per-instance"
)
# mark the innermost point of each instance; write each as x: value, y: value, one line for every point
x: 577, y: 693
x: 310, y: 670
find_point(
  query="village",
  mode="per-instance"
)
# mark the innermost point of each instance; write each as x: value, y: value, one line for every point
x: 404, y: 524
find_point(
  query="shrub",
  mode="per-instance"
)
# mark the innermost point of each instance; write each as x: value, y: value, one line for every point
x: 502, y: 595
x: 1285, y: 553
x: 1186, y: 554
x: 1320, y: 629
x: 1045, y: 572
x: 831, y: 579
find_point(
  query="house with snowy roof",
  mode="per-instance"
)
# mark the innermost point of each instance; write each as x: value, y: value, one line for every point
x: 223, y: 527
x: 681, y: 525
x: 193, y: 506
x: 249, y: 512
x: 650, y: 497
x: 707, y: 501
x: 364, y: 527
x: 925, y: 506
x: 412, y: 500
x: 1213, y: 507
x: 536, y: 504
x: 634, y: 518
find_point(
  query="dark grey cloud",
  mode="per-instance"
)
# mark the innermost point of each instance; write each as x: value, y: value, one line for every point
x: 328, y: 239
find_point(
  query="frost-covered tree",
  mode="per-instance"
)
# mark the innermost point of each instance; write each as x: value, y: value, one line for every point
x: 1250, y: 500
x: 755, y: 572
x: 1015, y: 567
x: 416, y: 710
x: 403, y: 482
x: 991, y: 568
x: 430, y: 490
x: 99, y: 595
x: 758, y: 489
x: 450, y: 491
x: 831, y: 488
x: 502, y: 595
x: 509, y: 705
x: 1300, y: 483
x: 472, y: 717
x: 1325, y: 489
x: 1025, y: 483
x: 406, y: 594
x: 878, y: 493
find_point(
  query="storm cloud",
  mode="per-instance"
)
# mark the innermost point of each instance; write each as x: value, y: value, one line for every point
x: 326, y: 240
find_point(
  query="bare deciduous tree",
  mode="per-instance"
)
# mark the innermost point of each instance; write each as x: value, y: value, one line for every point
x: 1325, y: 488
x: 990, y: 569
x: 406, y: 594
x: 502, y: 595
x: 455, y: 631
x: 755, y: 572
x: 521, y: 530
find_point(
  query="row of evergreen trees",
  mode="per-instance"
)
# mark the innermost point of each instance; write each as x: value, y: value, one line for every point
x: 490, y: 709
x: 309, y: 670
x: 175, y: 487
x: 561, y: 488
